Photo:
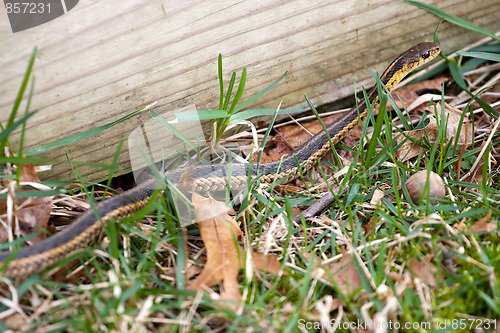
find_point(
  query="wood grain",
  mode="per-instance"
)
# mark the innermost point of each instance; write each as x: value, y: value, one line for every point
x: 105, y: 59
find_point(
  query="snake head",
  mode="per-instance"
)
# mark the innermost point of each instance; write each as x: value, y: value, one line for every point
x: 422, y: 53
x: 407, y: 61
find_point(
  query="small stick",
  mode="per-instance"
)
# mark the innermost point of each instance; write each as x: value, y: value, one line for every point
x: 321, y: 204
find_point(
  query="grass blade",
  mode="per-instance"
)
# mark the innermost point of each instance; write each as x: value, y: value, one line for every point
x: 19, y: 98
x: 457, y: 77
x: 196, y: 115
x: 452, y: 19
x: 10, y: 128
x: 239, y: 92
x: 377, y: 129
x: 243, y: 115
x: 229, y: 91
x: 486, y: 107
x: 481, y: 55
x: 456, y: 74
x: 221, y: 81
x: 237, y: 117
x: 78, y: 137
x: 174, y: 130
x: 21, y: 160
x: 259, y: 94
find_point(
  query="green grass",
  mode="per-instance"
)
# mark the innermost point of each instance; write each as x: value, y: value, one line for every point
x: 134, y: 278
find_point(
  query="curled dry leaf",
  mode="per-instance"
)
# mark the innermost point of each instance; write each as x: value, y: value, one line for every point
x: 409, y: 149
x: 17, y: 322
x: 186, y: 182
x: 208, y: 208
x: 453, y: 123
x: 32, y: 213
x: 483, y: 225
x: 424, y: 270
x: 377, y: 197
x: 225, y: 257
x: 344, y: 274
x: 460, y: 226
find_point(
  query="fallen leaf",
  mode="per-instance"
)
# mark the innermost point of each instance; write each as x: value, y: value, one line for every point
x: 424, y: 270
x: 186, y: 182
x: 208, y: 208
x: 453, y: 116
x: 397, y: 277
x: 483, y: 225
x: 266, y: 262
x: 377, y: 197
x: 16, y: 322
x: 409, y: 149
x: 225, y: 257
x: 460, y: 226
x: 32, y: 213
x: 419, y: 181
x: 344, y: 274
x: 286, y: 189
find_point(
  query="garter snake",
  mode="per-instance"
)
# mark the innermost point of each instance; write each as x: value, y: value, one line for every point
x: 85, y: 228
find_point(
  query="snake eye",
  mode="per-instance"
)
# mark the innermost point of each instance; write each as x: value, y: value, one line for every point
x: 426, y: 55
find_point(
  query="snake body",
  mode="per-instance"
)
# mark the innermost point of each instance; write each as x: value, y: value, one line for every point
x: 32, y: 259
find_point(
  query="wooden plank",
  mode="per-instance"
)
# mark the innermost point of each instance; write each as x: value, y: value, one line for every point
x: 105, y: 59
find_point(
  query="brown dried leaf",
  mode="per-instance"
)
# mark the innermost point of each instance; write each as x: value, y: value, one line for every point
x: 460, y: 226
x: 483, y: 225
x: 207, y: 208
x: 410, y: 149
x: 397, y: 277
x: 453, y: 116
x: 225, y: 257
x: 417, y: 183
x: 267, y: 263
x: 377, y: 197
x: 344, y: 274
x: 32, y: 213
x: 17, y: 322
x: 186, y: 182
x: 424, y: 270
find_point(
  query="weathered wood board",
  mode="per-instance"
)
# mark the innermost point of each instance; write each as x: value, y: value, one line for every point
x: 105, y: 59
